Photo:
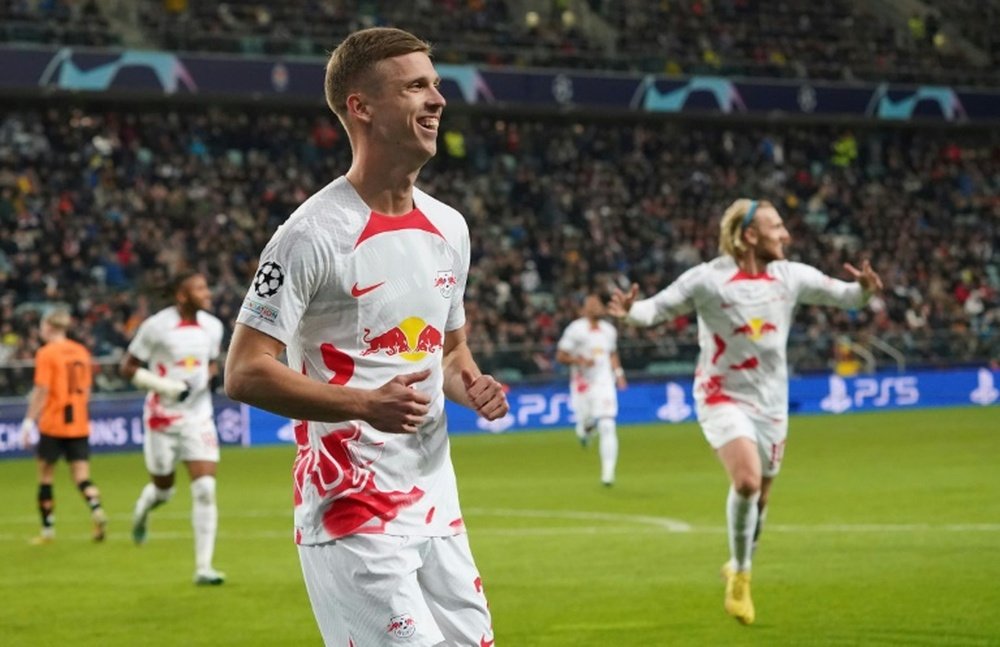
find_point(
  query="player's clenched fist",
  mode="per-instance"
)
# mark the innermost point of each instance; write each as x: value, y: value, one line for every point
x: 486, y: 395
x: 396, y: 407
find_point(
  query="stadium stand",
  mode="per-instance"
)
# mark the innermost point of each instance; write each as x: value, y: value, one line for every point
x: 63, y: 22
x: 839, y: 39
x: 98, y: 206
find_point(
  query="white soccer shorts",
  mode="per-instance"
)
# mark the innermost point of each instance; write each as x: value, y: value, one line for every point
x: 721, y: 423
x: 387, y: 590
x: 594, y: 404
x: 179, y: 443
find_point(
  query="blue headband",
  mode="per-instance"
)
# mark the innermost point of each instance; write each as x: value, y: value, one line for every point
x: 748, y: 218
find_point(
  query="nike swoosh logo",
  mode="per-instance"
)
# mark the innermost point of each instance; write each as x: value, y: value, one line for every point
x: 357, y: 292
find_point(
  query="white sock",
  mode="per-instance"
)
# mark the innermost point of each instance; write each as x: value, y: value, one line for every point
x: 581, y: 431
x: 151, y: 497
x: 741, y: 518
x: 204, y: 519
x: 608, y: 448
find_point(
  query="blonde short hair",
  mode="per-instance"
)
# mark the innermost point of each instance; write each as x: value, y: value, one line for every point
x: 58, y: 319
x: 731, y: 228
x: 358, y: 54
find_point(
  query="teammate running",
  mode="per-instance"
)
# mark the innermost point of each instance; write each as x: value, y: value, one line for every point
x: 589, y: 347
x: 180, y: 345
x: 745, y: 299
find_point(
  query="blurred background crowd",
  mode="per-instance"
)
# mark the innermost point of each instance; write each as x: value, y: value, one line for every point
x: 936, y: 40
x: 100, y: 203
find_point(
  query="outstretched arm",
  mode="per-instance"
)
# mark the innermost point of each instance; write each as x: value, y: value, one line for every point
x: 621, y: 302
x: 866, y: 277
x: 672, y: 301
x: 256, y: 376
x: 819, y: 289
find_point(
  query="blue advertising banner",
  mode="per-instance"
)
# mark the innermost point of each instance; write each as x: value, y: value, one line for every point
x: 77, y: 69
x: 117, y: 423
x: 672, y: 401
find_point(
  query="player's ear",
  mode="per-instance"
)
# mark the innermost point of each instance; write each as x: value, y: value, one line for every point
x: 358, y: 108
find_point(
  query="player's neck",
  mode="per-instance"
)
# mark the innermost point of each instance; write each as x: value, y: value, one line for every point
x: 387, y: 189
x: 751, y: 264
x: 187, y: 313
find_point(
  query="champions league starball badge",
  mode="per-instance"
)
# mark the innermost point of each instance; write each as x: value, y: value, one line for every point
x: 268, y: 279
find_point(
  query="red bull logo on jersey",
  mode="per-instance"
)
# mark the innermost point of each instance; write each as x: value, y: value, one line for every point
x: 445, y: 281
x: 755, y: 328
x: 402, y: 626
x: 412, y: 340
x: 190, y: 362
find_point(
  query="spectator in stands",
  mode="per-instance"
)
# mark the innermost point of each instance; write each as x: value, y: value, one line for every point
x: 584, y: 204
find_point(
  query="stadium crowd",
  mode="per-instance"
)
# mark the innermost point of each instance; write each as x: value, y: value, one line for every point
x: 66, y: 22
x: 837, y: 39
x: 99, y: 207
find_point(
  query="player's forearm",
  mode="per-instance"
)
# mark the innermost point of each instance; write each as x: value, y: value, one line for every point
x: 35, y: 402
x: 642, y: 313
x: 568, y: 359
x: 458, y: 358
x: 842, y: 294
x: 268, y: 384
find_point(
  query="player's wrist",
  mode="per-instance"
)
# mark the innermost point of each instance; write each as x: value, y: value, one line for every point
x: 165, y: 386
x: 356, y: 404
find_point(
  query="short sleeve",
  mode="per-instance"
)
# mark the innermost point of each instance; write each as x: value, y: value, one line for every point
x: 567, y: 343
x: 456, y: 311
x: 284, y: 283
x: 43, y: 368
x: 217, y: 332
x: 141, y: 346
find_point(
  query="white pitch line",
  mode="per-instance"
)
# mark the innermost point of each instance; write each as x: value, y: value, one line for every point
x: 664, y: 523
x: 618, y: 524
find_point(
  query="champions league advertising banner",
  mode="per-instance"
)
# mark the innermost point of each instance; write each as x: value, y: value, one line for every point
x: 40, y: 69
x: 117, y: 422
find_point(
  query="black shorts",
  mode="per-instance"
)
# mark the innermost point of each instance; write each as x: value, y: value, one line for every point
x: 50, y: 448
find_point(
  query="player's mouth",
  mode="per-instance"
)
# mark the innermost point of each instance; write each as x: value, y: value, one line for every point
x: 429, y: 124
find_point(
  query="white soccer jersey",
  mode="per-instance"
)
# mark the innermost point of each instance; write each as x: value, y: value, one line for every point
x: 743, y: 325
x: 179, y: 350
x: 595, y: 342
x: 358, y: 298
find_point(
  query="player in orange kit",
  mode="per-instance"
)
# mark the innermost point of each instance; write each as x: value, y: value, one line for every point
x: 59, y: 403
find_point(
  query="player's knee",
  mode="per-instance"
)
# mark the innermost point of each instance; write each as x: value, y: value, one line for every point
x: 203, y: 490
x: 606, y: 427
x: 746, y: 484
x: 164, y: 494
x: 85, y: 485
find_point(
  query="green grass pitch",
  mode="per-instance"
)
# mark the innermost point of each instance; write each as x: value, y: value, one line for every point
x: 884, y: 529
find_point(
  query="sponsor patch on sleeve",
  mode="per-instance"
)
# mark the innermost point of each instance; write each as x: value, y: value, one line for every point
x: 261, y: 310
